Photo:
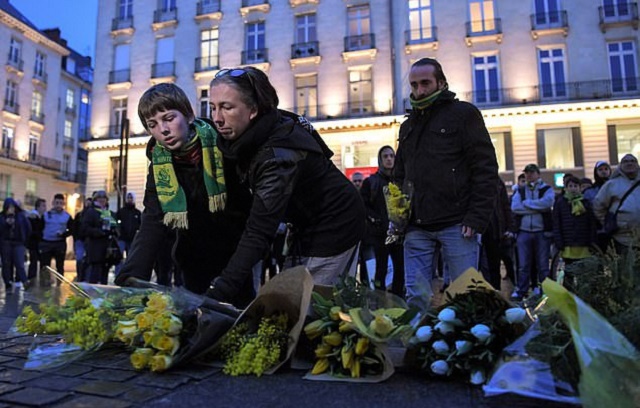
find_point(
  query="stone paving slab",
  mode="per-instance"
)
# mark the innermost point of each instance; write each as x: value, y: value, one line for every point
x: 55, y: 382
x: 103, y: 388
x: 31, y: 396
x: 15, y: 376
x: 142, y: 394
x: 110, y: 375
x: 87, y: 401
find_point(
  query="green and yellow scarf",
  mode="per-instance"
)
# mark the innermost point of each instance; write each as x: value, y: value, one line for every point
x: 171, y: 195
x: 577, y: 207
x: 424, y: 103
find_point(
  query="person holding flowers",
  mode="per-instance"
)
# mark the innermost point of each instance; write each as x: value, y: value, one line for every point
x: 288, y: 168
x: 191, y: 190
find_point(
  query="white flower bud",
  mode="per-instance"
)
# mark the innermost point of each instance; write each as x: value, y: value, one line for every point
x: 515, y: 315
x: 481, y: 332
x: 440, y: 367
x: 441, y: 347
x: 444, y: 327
x: 447, y: 315
x: 463, y: 346
x: 424, y: 333
x: 477, y: 377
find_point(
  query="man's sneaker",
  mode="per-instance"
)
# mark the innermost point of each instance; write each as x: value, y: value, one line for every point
x: 537, y: 291
x: 18, y: 285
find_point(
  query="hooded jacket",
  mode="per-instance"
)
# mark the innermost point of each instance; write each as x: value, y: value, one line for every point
x: 129, y: 220
x: 590, y: 193
x: 293, y: 180
x: 374, y: 202
x: 608, y: 200
x: 17, y: 231
x: 447, y: 154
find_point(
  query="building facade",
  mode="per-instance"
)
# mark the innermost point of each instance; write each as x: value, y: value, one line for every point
x: 47, y: 90
x: 556, y: 80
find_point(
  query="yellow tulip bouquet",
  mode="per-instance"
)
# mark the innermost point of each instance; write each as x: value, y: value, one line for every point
x: 398, y: 209
x: 349, y: 343
x: 163, y: 326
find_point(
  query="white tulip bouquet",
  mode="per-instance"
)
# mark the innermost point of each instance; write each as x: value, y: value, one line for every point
x: 466, y: 336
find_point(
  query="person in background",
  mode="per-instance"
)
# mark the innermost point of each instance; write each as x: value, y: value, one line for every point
x: 287, y: 166
x: 585, y: 183
x: 33, y: 242
x: 446, y: 153
x: 99, y: 227
x: 357, y: 179
x: 129, y: 218
x: 492, y: 238
x: 601, y: 174
x: 79, y: 241
x: 191, y: 194
x: 574, y: 226
x: 58, y: 224
x: 378, y: 223
x: 532, y: 206
x: 626, y: 177
x: 14, y: 232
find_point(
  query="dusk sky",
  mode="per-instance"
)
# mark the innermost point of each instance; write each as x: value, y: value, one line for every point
x: 75, y: 18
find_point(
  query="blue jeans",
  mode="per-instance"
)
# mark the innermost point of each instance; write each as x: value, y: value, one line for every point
x: 80, y: 252
x: 533, y: 250
x: 459, y: 254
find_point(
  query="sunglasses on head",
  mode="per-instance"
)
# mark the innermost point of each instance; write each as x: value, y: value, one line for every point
x: 235, y: 73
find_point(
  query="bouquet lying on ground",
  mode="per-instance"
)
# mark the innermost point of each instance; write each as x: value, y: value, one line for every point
x: 398, y: 209
x: 265, y: 335
x: 349, y: 342
x: 464, y: 337
x: 166, y: 327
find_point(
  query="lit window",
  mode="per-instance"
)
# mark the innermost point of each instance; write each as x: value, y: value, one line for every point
x: 552, y: 73
x: 486, y: 84
x: 624, y: 69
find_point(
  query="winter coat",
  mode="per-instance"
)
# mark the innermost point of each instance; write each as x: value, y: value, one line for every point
x: 129, y: 218
x: 446, y: 152
x: 204, y: 249
x: 573, y: 230
x: 18, y: 231
x: 37, y: 226
x: 293, y: 181
x: 533, y: 211
x: 97, y: 239
x: 608, y: 199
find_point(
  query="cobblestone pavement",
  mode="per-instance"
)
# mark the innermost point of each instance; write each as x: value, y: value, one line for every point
x: 106, y: 379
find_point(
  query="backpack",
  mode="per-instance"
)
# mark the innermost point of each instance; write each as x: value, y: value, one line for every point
x: 547, y: 217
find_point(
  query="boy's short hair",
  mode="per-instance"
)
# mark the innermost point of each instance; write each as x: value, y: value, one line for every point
x: 574, y: 180
x: 58, y: 196
x: 163, y: 97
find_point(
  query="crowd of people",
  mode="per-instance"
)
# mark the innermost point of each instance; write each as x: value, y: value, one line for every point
x: 232, y: 199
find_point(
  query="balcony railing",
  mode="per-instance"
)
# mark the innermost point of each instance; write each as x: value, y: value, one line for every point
x: 209, y: 63
x: 9, y: 153
x: 550, y: 20
x: 121, y: 23
x: 15, y: 62
x: 255, y: 56
x: 70, y: 110
x: 40, y: 76
x: 481, y: 28
x: 561, y: 92
x: 422, y: 36
x: 304, y: 50
x: 207, y: 7
x: 618, y: 12
x: 249, y: 3
x: 162, y: 16
x: 119, y: 76
x: 163, y: 69
x: 359, y: 42
x: 68, y: 142
x: 343, y: 110
x: 11, y: 106
x: 37, y: 117
x: 47, y: 163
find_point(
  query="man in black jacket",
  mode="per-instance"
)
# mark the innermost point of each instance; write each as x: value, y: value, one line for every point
x: 128, y: 223
x: 446, y: 153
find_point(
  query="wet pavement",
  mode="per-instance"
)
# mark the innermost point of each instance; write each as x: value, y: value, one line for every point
x: 106, y: 379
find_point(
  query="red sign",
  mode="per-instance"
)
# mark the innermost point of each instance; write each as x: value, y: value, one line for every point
x: 366, y: 171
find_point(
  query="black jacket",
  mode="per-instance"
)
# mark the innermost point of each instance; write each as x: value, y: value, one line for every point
x: 129, y: 218
x: 203, y: 250
x: 446, y: 152
x: 375, y: 206
x: 292, y: 181
x: 96, y: 238
x: 573, y: 230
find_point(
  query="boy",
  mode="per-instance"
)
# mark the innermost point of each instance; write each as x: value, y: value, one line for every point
x: 190, y: 191
x: 573, y: 223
